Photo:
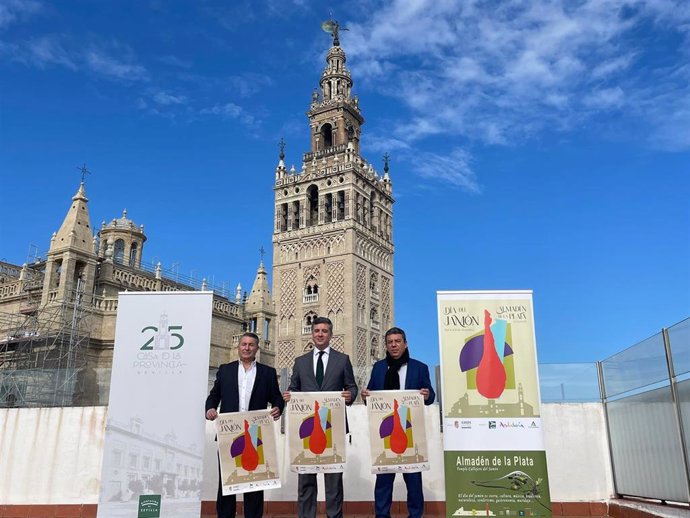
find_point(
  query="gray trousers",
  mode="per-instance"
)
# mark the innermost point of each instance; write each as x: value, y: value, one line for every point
x: 306, y: 495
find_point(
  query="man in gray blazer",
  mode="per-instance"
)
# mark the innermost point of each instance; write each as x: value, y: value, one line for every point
x: 323, y: 369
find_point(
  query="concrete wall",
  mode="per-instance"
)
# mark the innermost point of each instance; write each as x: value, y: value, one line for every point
x: 53, y: 456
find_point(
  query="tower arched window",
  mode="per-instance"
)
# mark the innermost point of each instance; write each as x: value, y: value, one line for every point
x: 311, y: 291
x: 372, y: 209
x: 313, y: 200
x: 119, y: 251
x: 309, y: 318
x: 133, y: 254
x: 327, y: 135
x: 374, y: 351
x: 374, y: 316
x: 374, y: 284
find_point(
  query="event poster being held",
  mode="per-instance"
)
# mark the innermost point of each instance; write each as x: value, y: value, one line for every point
x: 247, y: 450
x: 397, y: 433
x: 495, y: 463
x: 316, y: 430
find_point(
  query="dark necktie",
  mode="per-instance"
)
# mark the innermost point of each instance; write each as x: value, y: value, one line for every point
x: 319, y: 369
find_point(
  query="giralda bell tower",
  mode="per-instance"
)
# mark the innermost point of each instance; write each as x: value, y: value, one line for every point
x: 332, y: 241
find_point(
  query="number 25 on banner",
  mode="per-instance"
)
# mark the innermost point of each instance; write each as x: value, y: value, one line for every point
x: 162, y: 338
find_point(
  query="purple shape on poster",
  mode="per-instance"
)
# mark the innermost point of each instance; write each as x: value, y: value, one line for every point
x: 386, y: 427
x: 471, y: 353
x: 237, y: 446
x: 307, y: 427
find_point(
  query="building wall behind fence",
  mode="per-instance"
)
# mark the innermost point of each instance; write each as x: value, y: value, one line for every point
x: 53, y: 456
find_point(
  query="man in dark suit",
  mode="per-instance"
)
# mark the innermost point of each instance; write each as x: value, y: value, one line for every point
x: 323, y: 369
x: 240, y: 386
x: 399, y: 372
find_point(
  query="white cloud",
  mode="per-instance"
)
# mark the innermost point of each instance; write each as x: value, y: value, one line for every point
x: 175, y: 61
x: 111, y: 60
x: 605, y: 98
x: 453, y: 169
x: 612, y: 66
x: 167, y: 99
x: 248, y: 84
x: 234, y: 112
x: 502, y: 72
x: 114, y: 67
x: 12, y: 10
x: 48, y: 50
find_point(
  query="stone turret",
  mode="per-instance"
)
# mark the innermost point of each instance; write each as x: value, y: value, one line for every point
x: 261, y: 314
x: 71, y: 262
x: 122, y: 241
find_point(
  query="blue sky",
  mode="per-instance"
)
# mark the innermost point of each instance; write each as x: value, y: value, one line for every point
x: 535, y: 145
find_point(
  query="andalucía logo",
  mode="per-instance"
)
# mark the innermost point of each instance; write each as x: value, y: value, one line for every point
x: 149, y: 506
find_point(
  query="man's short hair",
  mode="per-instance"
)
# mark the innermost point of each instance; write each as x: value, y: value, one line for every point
x: 251, y: 335
x: 395, y: 331
x: 322, y: 320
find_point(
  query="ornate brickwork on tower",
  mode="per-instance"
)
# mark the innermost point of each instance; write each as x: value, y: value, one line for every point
x: 332, y: 240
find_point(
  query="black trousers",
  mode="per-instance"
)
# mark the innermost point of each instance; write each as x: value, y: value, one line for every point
x: 226, y: 506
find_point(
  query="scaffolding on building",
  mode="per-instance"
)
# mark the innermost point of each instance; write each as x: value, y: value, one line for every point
x: 43, y: 348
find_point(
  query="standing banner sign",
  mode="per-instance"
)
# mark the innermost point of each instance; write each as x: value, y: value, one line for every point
x: 247, y: 450
x: 154, y: 437
x: 316, y: 432
x: 495, y: 463
x: 397, y: 434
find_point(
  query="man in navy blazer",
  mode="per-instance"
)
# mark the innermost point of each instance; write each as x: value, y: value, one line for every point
x: 399, y: 372
x: 240, y: 386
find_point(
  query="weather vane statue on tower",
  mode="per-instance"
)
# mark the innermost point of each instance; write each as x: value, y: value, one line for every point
x: 332, y: 27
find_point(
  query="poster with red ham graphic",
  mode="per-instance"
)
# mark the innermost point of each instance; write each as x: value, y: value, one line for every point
x: 494, y: 457
x: 247, y: 449
x: 316, y: 430
x: 397, y: 432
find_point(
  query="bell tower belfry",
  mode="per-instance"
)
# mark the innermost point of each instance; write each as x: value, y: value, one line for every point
x: 332, y: 239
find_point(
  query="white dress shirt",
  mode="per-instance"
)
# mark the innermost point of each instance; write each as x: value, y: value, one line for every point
x: 402, y: 375
x: 245, y: 384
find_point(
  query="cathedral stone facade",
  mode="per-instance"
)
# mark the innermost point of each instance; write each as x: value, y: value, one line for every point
x: 332, y: 240
x: 58, y: 313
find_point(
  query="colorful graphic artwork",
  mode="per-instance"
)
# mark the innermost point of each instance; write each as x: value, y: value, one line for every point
x: 315, y: 430
x: 487, y: 359
x: 396, y: 429
x: 495, y: 463
x: 247, y: 448
x: 247, y: 451
x: 397, y: 433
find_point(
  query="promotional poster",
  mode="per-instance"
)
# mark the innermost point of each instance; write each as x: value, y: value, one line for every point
x: 247, y: 450
x: 495, y: 462
x: 316, y: 431
x: 154, y: 436
x: 397, y: 434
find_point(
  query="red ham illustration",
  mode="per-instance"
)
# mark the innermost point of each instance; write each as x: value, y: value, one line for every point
x: 317, y: 439
x: 398, y: 435
x: 491, y: 375
x: 250, y: 457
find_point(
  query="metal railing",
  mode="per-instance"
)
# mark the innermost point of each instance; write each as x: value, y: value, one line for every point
x: 646, y: 394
